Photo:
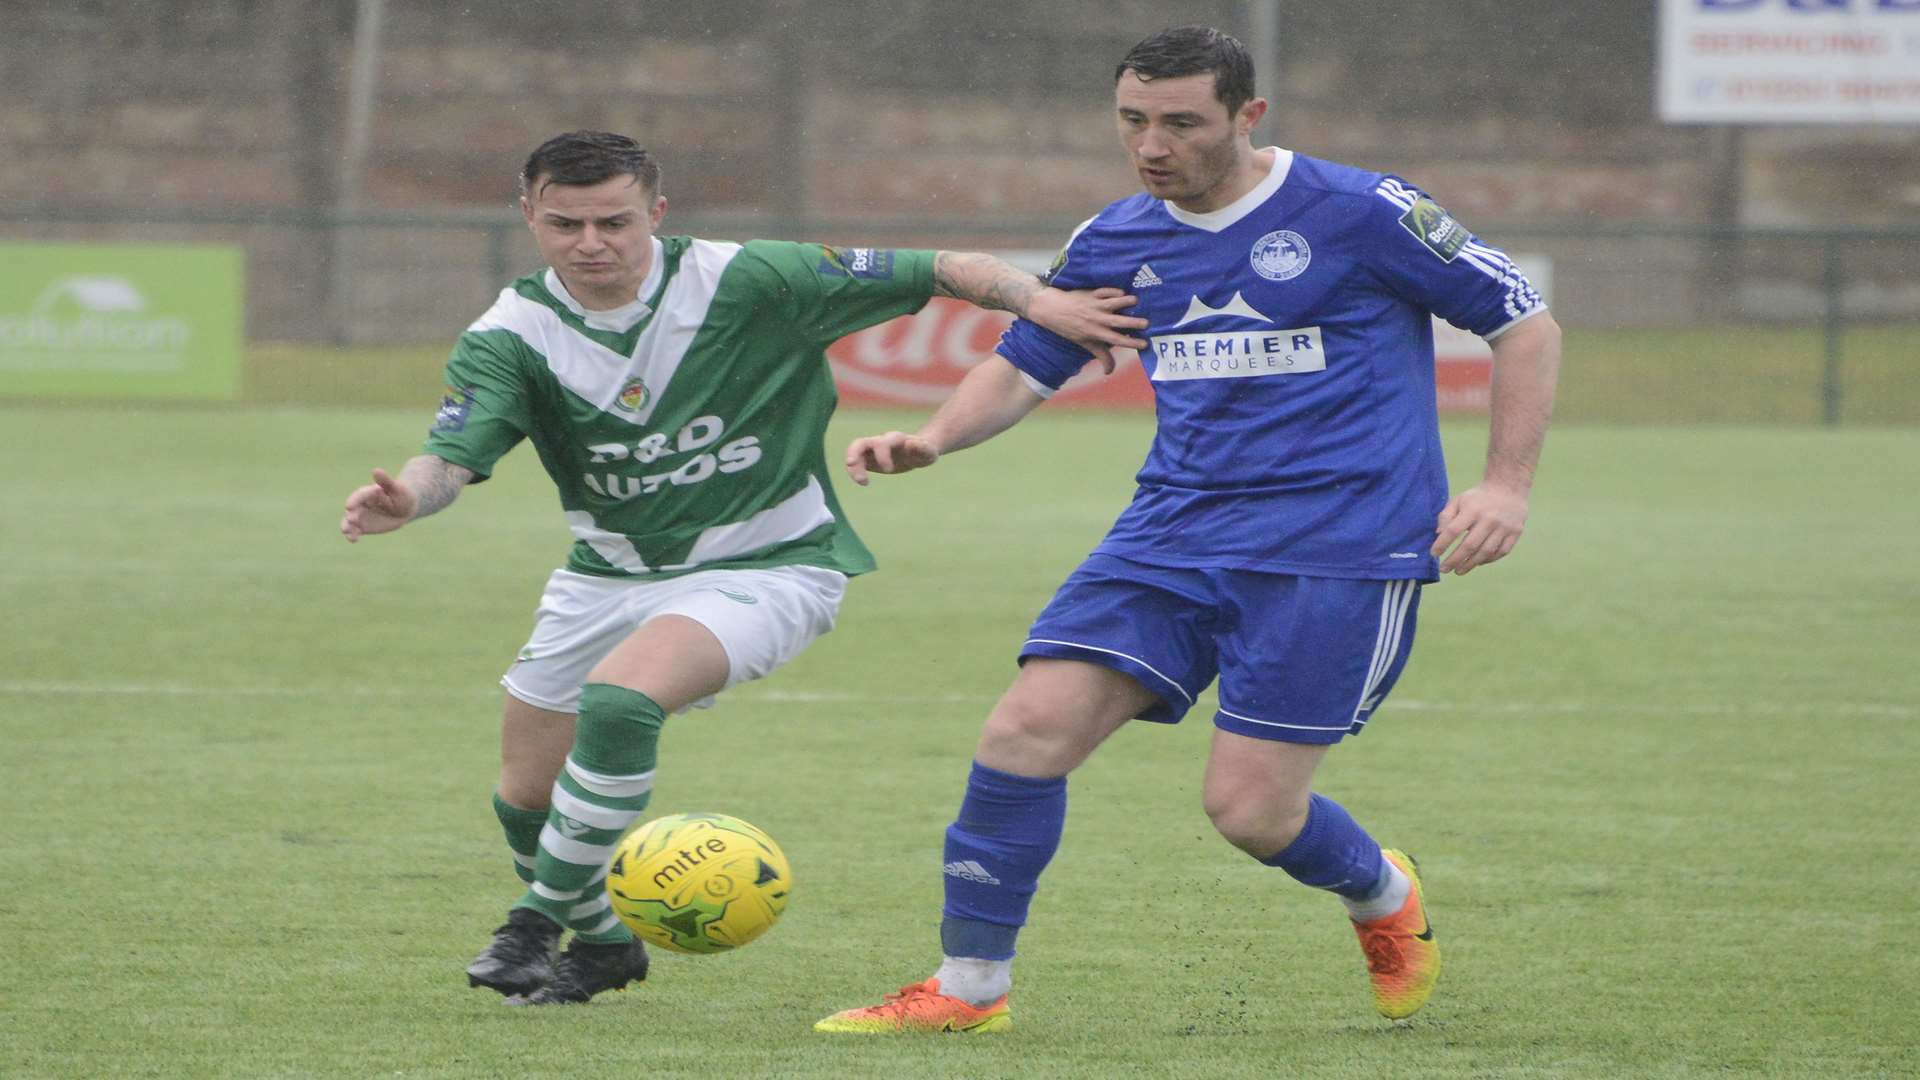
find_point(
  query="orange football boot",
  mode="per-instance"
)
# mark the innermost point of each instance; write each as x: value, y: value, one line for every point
x: 920, y: 1007
x: 1403, y: 959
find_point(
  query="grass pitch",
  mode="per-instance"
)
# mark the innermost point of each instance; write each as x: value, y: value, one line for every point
x: 1658, y: 767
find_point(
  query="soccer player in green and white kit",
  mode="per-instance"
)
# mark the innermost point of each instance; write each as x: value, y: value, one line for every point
x: 677, y: 393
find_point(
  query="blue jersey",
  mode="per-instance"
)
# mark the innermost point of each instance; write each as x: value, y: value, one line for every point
x: 1291, y: 361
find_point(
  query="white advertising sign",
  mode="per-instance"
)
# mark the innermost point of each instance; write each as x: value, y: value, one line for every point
x: 1790, y: 61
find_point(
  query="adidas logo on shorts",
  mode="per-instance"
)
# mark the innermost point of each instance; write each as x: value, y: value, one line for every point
x: 971, y: 871
x: 1146, y: 277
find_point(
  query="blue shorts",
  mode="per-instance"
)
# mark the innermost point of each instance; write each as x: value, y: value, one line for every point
x: 1300, y: 659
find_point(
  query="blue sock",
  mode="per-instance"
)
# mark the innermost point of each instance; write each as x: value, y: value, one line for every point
x: 1008, y: 828
x: 1332, y: 852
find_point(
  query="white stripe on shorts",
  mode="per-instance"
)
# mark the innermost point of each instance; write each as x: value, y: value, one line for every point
x: 1275, y: 723
x: 1394, y: 600
x: 1113, y: 652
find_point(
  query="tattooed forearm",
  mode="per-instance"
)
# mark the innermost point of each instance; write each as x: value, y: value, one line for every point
x: 435, y: 481
x: 983, y: 280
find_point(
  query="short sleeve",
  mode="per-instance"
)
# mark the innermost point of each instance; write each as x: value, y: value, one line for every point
x: 1424, y: 255
x: 834, y: 291
x: 1042, y: 355
x: 485, y: 411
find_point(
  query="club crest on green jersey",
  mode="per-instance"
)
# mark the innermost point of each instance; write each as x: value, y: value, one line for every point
x: 633, y: 397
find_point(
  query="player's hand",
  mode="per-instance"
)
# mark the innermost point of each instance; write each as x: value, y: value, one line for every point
x: 1486, y: 521
x: 382, y: 506
x: 894, y: 452
x: 1090, y: 318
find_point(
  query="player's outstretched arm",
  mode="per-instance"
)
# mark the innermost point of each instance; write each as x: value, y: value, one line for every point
x: 992, y: 398
x: 1090, y: 318
x: 425, y: 485
x: 1484, y: 522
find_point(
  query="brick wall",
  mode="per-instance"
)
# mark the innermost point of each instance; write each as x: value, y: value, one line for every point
x: 1527, y: 112
x: 949, y: 114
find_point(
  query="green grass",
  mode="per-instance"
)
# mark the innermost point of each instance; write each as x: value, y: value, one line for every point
x: 1741, y: 374
x: 1658, y: 767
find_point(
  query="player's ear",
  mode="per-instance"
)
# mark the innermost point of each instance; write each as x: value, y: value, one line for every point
x: 657, y: 212
x: 1250, y: 115
x: 526, y: 211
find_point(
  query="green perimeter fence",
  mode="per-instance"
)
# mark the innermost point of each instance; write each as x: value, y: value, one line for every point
x: 1669, y: 323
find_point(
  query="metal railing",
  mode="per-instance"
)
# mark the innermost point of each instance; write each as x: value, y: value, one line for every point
x: 1753, y: 296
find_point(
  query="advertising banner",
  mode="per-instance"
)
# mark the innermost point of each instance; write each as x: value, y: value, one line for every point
x: 916, y: 360
x: 1789, y: 61
x: 107, y: 320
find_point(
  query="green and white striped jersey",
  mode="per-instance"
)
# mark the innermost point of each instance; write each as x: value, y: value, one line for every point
x: 684, y: 431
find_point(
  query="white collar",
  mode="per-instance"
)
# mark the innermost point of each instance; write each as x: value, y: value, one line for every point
x: 1218, y: 220
x: 623, y: 318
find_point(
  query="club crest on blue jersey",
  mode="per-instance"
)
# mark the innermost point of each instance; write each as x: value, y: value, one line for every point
x: 455, y: 407
x: 875, y: 264
x: 1281, y: 255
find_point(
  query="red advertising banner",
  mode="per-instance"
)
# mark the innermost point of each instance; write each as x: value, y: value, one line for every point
x: 916, y: 360
x: 1462, y: 370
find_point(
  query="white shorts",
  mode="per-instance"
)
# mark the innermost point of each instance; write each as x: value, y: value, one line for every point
x: 763, y: 619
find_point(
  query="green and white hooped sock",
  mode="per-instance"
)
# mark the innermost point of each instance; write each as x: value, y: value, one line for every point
x: 522, y: 827
x: 588, y: 917
x: 605, y: 785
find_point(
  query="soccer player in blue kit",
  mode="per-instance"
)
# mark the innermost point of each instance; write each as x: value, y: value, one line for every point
x: 1292, y: 504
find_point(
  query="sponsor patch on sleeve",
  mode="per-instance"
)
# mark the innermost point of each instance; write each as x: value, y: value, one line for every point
x: 455, y: 407
x: 1435, y: 228
x: 1053, y: 269
x: 875, y: 264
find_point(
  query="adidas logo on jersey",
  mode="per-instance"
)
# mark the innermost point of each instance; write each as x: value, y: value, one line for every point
x: 1146, y: 277
x: 971, y: 871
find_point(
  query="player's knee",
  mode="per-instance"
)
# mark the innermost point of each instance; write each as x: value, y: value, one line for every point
x: 1022, y: 737
x: 1255, y: 826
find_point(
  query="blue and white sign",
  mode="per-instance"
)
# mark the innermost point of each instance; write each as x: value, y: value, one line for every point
x: 1790, y: 61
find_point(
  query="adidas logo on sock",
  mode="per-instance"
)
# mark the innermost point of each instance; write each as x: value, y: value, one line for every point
x: 971, y: 871
x: 1146, y: 277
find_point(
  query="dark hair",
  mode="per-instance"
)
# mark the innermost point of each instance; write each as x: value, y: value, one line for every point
x: 1194, y: 50
x: 588, y: 157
